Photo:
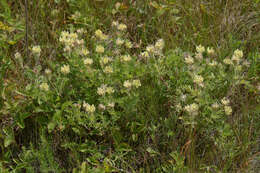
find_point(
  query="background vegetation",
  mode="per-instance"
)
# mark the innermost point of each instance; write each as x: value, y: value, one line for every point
x: 177, y: 119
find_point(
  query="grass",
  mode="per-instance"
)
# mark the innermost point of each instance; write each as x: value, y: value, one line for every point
x: 145, y: 131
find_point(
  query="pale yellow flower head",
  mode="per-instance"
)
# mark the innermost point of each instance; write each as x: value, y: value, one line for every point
x: 88, y: 61
x: 89, y: 108
x: 105, y: 60
x: 101, y: 90
x: 227, y: 61
x: 84, y: 51
x: 44, y: 86
x: 192, y: 109
x: 238, y: 53
x: 126, y: 58
x: 108, y: 69
x: 17, y: 55
x: 225, y: 101
x: 110, y: 90
x: 47, y: 71
x: 145, y: 54
x: 150, y: 48
x: 189, y: 60
x: 210, y: 51
x: 100, y: 49
x: 159, y: 44
x: 198, y: 79
x: 228, y: 110
x: 128, y: 44
x: 121, y: 27
x: 65, y: 69
x: 127, y: 84
x: 136, y: 83
x: 200, y: 49
x: 119, y: 41
x: 36, y: 50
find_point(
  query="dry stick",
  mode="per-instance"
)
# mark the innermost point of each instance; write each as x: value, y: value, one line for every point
x: 26, y: 28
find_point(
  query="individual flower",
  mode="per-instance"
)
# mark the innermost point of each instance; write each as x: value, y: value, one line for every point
x: 200, y: 49
x: 228, y: 110
x: 99, y: 34
x: 136, y: 83
x: 199, y: 56
x: 104, y: 60
x: 65, y: 69
x: 47, y: 71
x: 88, y: 61
x: 44, y: 86
x: 150, y: 48
x: 210, y: 51
x: 189, y: 60
x: 101, y: 90
x: 225, y: 101
x: 192, y: 109
x: 115, y: 23
x: 108, y: 69
x: 126, y: 58
x: 100, y: 49
x: 145, y: 54
x: 198, y: 79
x: 121, y: 27
x: 238, y: 53
x: 119, y: 41
x: 84, y: 52
x: 89, y: 108
x: 215, y: 105
x: 111, y: 105
x: 101, y: 107
x: 159, y: 44
x: 128, y: 44
x: 127, y: 84
x: 227, y: 61
x: 17, y: 55
x: 36, y: 50
x: 110, y: 90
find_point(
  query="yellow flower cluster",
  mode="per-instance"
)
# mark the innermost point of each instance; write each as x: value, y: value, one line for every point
x: 105, y: 60
x: 44, y: 86
x: 108, y: 69
x: 47, y: 71
x: 89, y: 108
x: 100, y: 35
x: 200, y: 49
x: 198, y: 79
x: 128, y: 84
x: 125, y: 58
x: 88, y: 61
x: 36, y: 50
x: 70, y: 40
x: 103, y: 89
x: 189, y: 60
x: 65, y: 69
x: 228, y: 110
x: 100, y: 49
x: 192, y: 109
x: 119, y: 26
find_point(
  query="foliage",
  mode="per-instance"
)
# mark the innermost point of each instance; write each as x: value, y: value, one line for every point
x: 106, y: 90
